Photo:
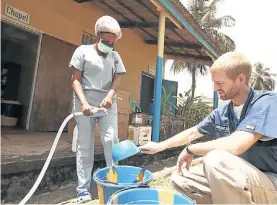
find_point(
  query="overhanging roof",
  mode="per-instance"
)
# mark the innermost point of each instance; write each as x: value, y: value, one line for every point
x: 142, y: 15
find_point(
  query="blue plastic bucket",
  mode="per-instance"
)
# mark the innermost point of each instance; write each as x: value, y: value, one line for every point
x: 126, y: 178
x: 149, y: 196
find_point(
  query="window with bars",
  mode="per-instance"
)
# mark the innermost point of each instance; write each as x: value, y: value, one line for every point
x: 88, y: 39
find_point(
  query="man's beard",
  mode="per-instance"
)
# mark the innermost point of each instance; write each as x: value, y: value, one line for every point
x: 230, y: 94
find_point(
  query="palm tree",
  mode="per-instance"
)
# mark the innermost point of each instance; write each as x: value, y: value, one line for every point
x: 192, y: 69
x: 204, y: 13
x: 261, y: 78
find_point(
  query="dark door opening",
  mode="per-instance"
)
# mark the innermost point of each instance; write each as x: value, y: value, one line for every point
x: 18, y: 61
x: 146, y: 91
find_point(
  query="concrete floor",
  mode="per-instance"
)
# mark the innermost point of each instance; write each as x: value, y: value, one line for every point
x: 17, y: 145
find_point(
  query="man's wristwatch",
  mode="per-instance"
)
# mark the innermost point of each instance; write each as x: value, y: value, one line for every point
x: 188, y: 150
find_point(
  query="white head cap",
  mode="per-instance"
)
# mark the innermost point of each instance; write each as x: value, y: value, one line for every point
x: 108, y: 24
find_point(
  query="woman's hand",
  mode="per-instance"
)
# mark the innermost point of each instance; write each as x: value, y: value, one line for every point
x: 106, y: 102
x: 87, y: 109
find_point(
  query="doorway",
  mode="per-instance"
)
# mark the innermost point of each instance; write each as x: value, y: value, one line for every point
x: 147, y: 89
x: 19, y: 55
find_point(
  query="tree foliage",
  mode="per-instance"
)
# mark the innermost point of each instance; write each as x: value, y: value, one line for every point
x: 262, y: 78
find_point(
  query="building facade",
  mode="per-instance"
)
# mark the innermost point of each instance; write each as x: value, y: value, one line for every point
x: 41, y: 37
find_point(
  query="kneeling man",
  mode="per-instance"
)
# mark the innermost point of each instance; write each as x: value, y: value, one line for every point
x: 240, y: 164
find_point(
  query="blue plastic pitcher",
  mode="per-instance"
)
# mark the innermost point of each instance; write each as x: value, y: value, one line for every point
x: 124, y: 149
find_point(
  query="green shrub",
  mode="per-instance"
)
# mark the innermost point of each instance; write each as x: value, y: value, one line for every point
x: 193, y: 110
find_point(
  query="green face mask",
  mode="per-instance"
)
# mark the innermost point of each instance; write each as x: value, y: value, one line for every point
x: 104, y: 48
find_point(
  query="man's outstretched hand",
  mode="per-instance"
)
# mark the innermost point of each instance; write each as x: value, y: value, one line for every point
x: 184, y: 157
x: 151, y: 148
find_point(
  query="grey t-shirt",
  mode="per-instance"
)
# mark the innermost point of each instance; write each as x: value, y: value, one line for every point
x: 97, y: 71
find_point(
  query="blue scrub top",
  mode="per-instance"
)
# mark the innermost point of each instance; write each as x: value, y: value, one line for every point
x: 259, y: 115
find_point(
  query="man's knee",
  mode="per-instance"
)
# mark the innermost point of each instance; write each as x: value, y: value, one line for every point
x: 215, y: 159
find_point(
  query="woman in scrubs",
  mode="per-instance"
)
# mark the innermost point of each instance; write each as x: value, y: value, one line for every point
x: 96, y: 73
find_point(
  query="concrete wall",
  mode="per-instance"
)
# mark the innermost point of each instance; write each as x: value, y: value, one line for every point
x: 66, y: 20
